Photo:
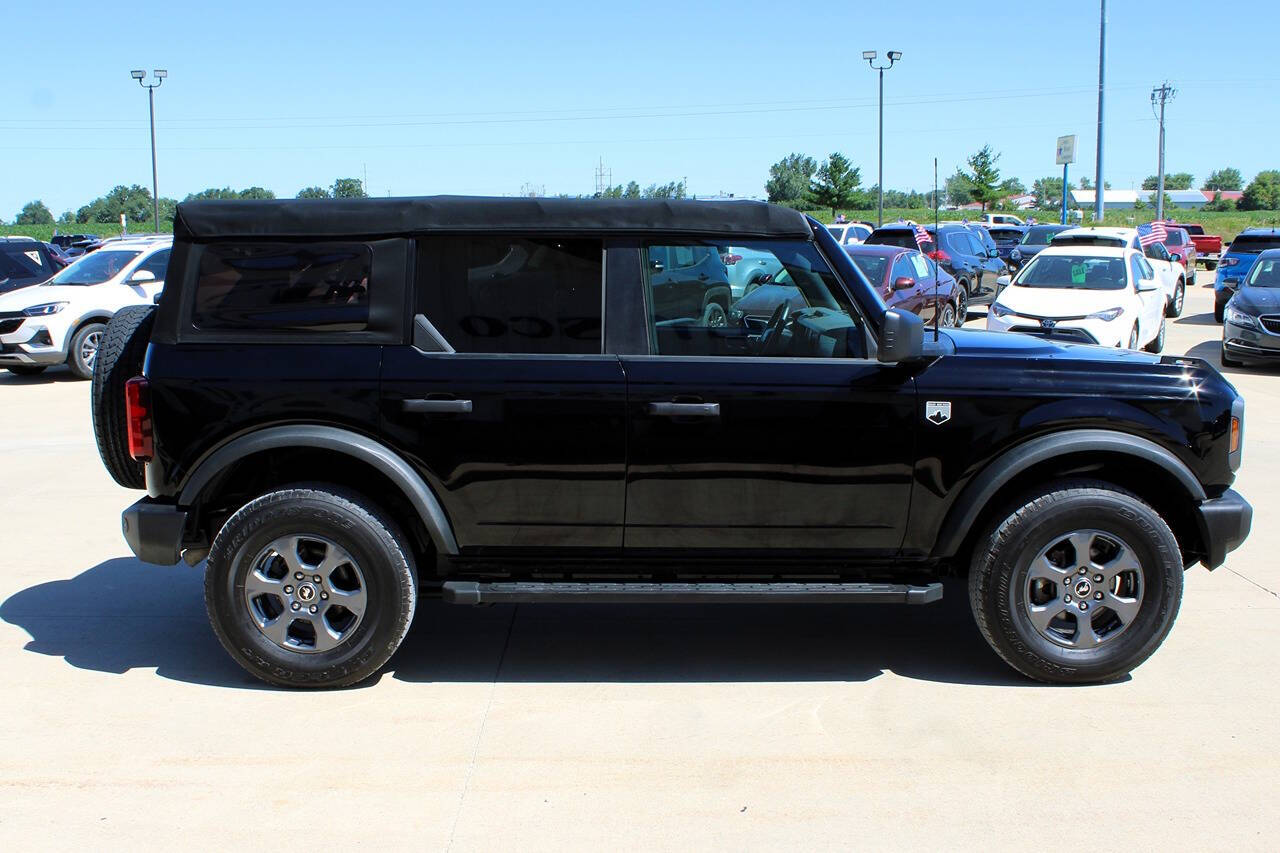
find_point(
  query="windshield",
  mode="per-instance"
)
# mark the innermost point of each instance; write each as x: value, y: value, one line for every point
x: 1087, y: 240
x: 1254, y: 243
x: 1265, y: 273
x: 836, y: 231
x: 1074, y: 272
x: 1197, y: 230
x: 872, y: 267
x: 1040, y: 236
x: 96, y: 268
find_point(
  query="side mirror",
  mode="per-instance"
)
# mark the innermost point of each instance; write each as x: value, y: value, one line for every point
x: 992, y: 253
x: 903, y: 283
x: 1003, y: 281
x: 901, y: 337
x: 141, y: 276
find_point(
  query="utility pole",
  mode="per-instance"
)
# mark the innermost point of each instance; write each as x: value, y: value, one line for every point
x: 159, y: 74
x: 870, y: 57
x: 1161, y: 95
x: 1099, y: 209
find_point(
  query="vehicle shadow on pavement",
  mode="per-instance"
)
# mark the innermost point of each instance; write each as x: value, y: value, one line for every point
x: 48, y: 377
x: 123, y: 614
x: 1211, y: 351
x: 1197, y: 320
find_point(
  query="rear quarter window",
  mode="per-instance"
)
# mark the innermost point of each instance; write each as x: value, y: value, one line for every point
x: 1254, y: 243
x: 290, y: 287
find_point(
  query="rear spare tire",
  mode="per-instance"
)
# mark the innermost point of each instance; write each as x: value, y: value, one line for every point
x: 120, y: 352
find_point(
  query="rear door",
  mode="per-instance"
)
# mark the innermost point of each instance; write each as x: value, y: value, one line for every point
x: 744, y: 443
x: 505, y: 402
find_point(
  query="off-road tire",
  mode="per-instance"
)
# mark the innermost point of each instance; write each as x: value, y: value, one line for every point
x: 26, y: 369
x: 1003, y: 555
x: 355, y: 524
x: 124, y: 344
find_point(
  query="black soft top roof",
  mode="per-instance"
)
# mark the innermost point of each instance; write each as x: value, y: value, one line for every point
x: 377, y: 217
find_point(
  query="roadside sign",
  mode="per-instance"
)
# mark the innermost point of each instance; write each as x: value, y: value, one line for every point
x: 1066, y: 150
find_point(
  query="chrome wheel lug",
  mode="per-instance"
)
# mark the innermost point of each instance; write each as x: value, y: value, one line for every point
x: 1084, y: 605
x: 313, y: 608
x: 1097, y: 596
x: 298, y: 576
x: 316, y: 578
x: 324, y: 596
x: 297, y: 606
x: 288, y: 589
x: 1083, y: 570
x: 1067, y: 598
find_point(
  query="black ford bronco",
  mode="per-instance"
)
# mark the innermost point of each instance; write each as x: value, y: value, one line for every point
x: 346, y: 405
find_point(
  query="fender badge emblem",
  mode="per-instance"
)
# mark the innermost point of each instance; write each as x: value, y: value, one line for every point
x: 937, y: 412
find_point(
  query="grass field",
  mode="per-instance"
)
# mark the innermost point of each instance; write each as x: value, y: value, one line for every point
x: 1228, y: 225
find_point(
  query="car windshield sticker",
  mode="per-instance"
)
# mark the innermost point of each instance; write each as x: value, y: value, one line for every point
x: 1078, y: 273
x: 937, y: 412
x: 35, y: 256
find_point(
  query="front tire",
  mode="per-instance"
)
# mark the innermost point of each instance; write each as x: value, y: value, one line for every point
x: 310, y: 587
x: 1133, y: 337
x: 1079, y: 583
x: 1174, y: 308
x: 1219, y: 310
x: 84, y: 349
x: 713, y: 316
x: 948, y: 318
x: 962, y: 302
x: 1157, y: 345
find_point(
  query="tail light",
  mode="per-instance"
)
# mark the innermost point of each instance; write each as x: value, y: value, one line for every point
x: 137, y: 413
x: 730, y: 259
x: 940, y: 256
x: 1228, y: 262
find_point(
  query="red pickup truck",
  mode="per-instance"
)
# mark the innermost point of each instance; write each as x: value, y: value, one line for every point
x: 1208, y: 246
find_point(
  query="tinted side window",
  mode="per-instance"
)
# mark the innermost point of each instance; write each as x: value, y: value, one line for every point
x: 311, y: 287
x: 514, y: 295
x: 902, y: 268
x: 960, y: 243
x: 157, y: 264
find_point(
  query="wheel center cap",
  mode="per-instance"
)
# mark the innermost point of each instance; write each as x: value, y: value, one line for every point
x: 1082, y: 588
x: 306, y: 592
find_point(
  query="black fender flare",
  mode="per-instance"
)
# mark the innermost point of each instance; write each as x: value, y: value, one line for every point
x: 367, y: 450
x: 987, y: 483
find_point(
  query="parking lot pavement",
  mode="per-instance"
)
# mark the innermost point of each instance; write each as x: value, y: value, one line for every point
x: 635, y: 727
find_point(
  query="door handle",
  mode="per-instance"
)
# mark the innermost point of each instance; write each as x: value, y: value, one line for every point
x: 438, y: 407
x: 685, y: 410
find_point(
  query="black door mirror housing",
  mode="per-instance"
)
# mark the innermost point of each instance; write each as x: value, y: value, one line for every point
x: 901, y: 337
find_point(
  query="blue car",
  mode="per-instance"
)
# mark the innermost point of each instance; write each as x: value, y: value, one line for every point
x: 1237, y: 260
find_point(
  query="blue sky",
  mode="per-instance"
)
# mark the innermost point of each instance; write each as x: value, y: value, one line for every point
x: 484, y: 98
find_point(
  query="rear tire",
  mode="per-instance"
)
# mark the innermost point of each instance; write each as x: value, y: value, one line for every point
x: 119, y: 359
x: 1219, y: 311
x: 1174, y: 308
x: 84, y: 349
x: 1026, y: 589
x: 260, y: 588
x: 962, y: 302
x: 1157, y: 345
x: 1211, y: 265
x: 27, y: 369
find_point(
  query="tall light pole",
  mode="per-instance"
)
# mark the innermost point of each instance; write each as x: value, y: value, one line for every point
x: 870, y: 57
x: 1160, y: 95
x: 159, y: 74
x: 1099, y: 208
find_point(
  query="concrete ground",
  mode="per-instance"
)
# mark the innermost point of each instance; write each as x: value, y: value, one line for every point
x: 673, y: 727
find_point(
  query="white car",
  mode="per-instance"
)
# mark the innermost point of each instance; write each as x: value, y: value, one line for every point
x: 1087, y: 294
x: 1000, y: 219
x: 1171, y: 274
x: 850, y: 233
x: 62, y: 320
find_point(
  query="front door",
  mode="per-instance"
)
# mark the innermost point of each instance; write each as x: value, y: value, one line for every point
x: 783, y: 440
x: 505, y: 404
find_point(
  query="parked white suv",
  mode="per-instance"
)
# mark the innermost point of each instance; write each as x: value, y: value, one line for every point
x: 1171, y: 274
x: 62, y: 320
x: 1087, y: 294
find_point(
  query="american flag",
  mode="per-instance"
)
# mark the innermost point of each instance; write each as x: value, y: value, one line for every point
x: 1149, y: 235
x: 922, y: 236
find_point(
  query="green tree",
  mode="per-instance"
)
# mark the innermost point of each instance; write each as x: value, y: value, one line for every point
x: 1263, y: 192
x: 675, y: 189
x: 959, y: 189
x: 1220, y: 204
x: 834, y: 183
x: 1048, y: 192
x: 984, y: 177
x: 1012, y: 187
x: 348, y: 188
x: 1174, y: 181
x: 314, y: 192
x: 1224, y: 179
x: 133, y: 201
x: 789, y: 179
x: 34, y: 213
x: 1086, y: 184
x: 228, y: 193
x: 67, y: 218
x: 632, y: 190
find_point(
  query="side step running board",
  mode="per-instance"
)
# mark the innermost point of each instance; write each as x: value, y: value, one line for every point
x: 563, y: 592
